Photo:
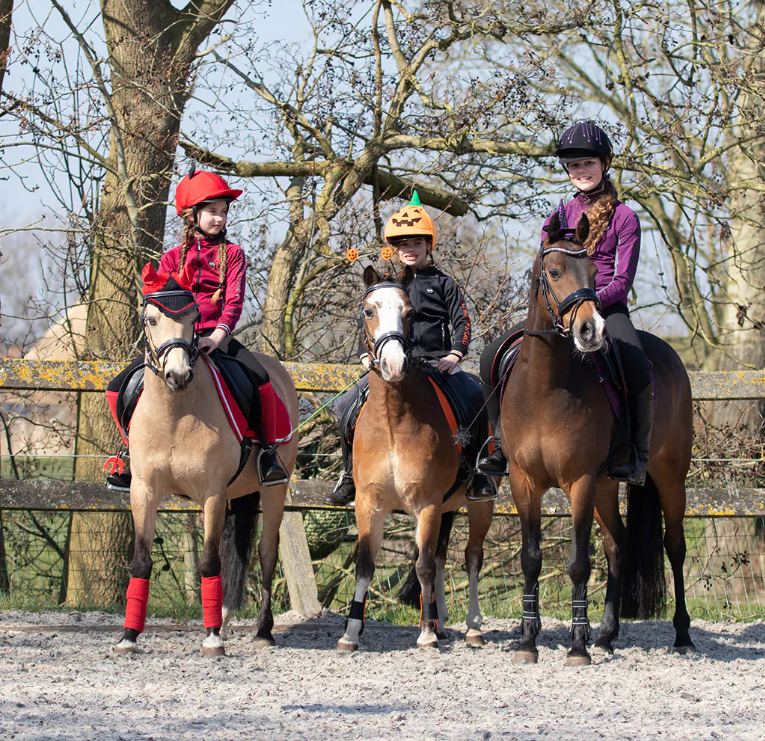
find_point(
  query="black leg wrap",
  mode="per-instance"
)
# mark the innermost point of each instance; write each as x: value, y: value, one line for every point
x: 357, y: 612
x: 430, y: 611
x: 579, y: 617
x: 531, y: 611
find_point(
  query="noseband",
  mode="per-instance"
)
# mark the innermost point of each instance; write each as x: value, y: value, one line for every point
x: 157, y: 356
x: 572, y: 302
x: 375, y: 347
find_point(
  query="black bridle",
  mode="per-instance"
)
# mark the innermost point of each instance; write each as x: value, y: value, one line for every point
x: 375, y: 347
x: 157, y: 356
x: 572, y: 302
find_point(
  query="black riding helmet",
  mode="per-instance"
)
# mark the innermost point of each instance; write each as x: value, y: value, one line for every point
x: 581, y: 141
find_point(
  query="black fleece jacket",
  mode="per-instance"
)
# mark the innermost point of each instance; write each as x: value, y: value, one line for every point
x: 438, y: 303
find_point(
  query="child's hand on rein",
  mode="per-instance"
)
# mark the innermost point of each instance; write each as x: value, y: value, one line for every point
x: 448, y: 364
x: 208, y: 344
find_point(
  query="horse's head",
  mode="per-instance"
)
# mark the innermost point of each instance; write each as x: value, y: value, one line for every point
x: 565, y: 285
x: 387, y: 321
x: 169, y: 318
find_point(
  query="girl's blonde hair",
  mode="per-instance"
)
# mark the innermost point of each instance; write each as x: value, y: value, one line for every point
x: 600, y: 212
x: 190, y: 236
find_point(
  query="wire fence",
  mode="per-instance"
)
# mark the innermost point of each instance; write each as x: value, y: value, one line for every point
x: 724, y: 571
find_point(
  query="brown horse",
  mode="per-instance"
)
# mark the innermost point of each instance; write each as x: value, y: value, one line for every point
x: 181, y: 442
x: 405, y: 458
x: 557, y: 426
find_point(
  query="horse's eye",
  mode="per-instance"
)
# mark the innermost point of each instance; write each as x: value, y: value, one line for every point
x: 555, y: 274
x: 368, y: 313
x: 152, y: 321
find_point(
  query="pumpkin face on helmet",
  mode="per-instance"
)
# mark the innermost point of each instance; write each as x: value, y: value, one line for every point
x: 411, y: 221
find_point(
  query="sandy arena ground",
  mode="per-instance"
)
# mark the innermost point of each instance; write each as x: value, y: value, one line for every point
x: 63, y: 682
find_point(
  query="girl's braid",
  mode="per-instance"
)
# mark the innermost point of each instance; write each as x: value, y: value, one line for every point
x: 222, y: 264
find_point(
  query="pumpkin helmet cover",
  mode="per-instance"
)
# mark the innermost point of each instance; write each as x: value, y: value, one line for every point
x: 411, y: 221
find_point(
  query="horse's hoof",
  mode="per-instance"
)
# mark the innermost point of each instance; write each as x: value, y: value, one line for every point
x: 126, y: 648
x: 347, y: 646
x: 427, y: 642
x: 683, y: 650
x: 263, y: 642
x: 213, y: 651
x: 526, y: 656
x: 442, y: 635
x: 474, y: 638
x: 604, y: 646
x: 578, y: 659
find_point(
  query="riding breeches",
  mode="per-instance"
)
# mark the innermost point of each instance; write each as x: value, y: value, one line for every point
x: 619, y: 326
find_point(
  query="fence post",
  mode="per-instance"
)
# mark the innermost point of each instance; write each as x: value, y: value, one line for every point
x: 296, y: 564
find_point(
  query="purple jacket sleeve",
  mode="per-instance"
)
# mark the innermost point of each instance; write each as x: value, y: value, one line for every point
x: 627, y: 253
x: 233, y: 296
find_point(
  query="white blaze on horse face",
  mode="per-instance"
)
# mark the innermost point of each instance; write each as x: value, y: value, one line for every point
x: 390, y: 305
x: 589, y: 329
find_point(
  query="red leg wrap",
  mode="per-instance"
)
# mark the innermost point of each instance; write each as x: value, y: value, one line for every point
x: 137, y: 597
x: 111, y: 400
x: 212, y: 601
x: 268, y: 406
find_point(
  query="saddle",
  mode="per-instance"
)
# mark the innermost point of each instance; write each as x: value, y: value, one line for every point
x: 239, y: 394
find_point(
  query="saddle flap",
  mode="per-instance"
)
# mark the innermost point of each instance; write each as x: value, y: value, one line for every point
x: 129, y: 394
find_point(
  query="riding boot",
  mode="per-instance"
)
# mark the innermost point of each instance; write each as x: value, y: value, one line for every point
x: 482, y: 489
x: 641, y: 421
x: 494, y: 464
x: 270, y: 471
x: 345, y: 491
x: 118, y: 480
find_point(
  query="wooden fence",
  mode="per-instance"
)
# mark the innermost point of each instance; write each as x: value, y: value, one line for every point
x: 16, y: 375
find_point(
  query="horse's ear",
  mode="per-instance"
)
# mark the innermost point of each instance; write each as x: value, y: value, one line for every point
x: 553, y: 228
x: 371, y: 276
x: 406, y: 276
x: 583, y: 229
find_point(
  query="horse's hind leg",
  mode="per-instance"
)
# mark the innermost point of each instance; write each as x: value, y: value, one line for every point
x: 479, y: 519
x: 369, y: 523
x: 268, y: 551
x: 144, y: 509
x: 209, y: 568
x: 614, y: 539
x: 672, y: 497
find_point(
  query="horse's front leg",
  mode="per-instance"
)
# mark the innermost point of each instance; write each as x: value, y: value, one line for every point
x: 582, y: 496
x: 529, y: 504
x: 268, y: 551
x: 479, y: 521
x: 428, y: 525
x: 143, y: 506
x: 369, y: 523
x: 209, y: 568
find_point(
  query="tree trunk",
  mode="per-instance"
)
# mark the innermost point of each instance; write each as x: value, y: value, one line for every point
x: 6, y: 10
x: 151, y: 49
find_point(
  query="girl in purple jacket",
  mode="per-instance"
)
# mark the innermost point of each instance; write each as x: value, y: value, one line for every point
x: 614, y: 246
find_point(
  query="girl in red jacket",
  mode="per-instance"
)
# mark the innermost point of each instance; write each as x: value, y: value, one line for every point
x: 216, y: 268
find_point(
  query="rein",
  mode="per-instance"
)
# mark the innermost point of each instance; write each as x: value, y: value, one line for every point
x: 157, y: 356
x: 572, y: 302
x: 375, y: 347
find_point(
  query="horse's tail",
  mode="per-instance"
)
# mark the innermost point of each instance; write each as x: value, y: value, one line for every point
x: 644, y: 589
x: 409, y: 594
x: 235, y: 546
